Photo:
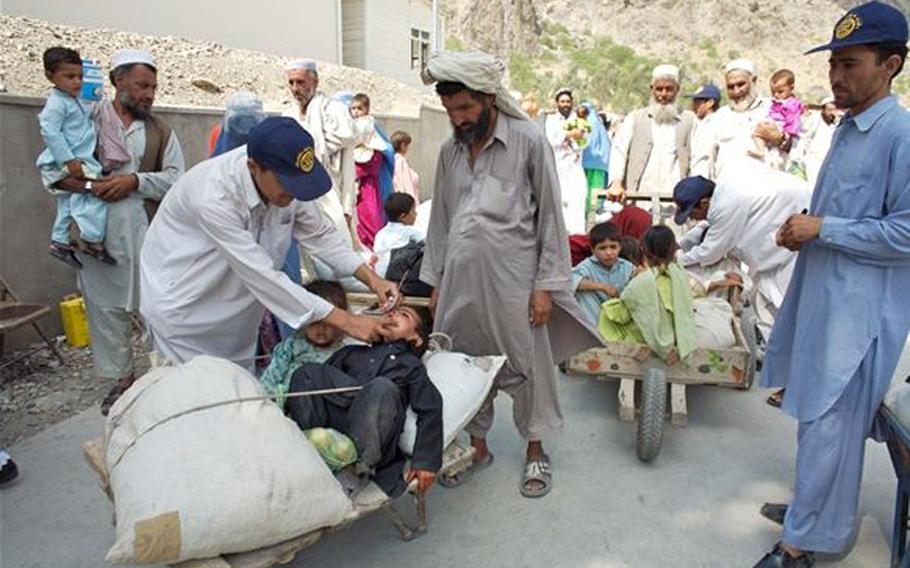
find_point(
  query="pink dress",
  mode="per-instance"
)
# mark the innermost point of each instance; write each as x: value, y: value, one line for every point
x: 787, y: 114
x: 369, y: 202
x: 406, y: 179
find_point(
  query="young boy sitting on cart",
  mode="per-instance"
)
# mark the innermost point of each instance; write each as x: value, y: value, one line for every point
x: 393, y: 378
x: 603, y: 275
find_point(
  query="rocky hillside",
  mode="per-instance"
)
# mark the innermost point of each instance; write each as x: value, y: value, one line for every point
x: 605, y: 48
x: 190, y: 72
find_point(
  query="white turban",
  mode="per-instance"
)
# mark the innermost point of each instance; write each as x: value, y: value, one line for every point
x: 305, y: 64
x: 478, y: 71
x: 740, y: 65
x: 665, y: 71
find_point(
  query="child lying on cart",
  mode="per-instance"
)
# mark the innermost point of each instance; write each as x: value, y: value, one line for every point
x: 656, y: 306
x: 393, y: 378
x: 314, y: 343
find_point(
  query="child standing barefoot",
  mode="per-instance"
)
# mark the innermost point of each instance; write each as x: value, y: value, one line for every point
x: 69, y: 134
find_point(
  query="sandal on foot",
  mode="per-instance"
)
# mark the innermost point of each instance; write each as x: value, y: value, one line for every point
x: 537, y: 471
x: 112, y: 397
x: 776, y: 398
x: 98, y: 252
x: 66, y: 254
x: 774, y: 512
x: 449, y: 481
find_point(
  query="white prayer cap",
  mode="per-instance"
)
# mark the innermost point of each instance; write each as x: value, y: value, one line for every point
x: 665, y: 71
x: 131, y: 57
x: 563, y: 91
x: 305, y: 64
x: 827, y: 101
x: 740, y: 65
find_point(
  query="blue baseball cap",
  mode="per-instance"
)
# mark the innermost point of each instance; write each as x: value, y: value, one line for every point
x: 279, y: 144
x: 707, y: 91
x: 687, y: 193
x: 870, y: 23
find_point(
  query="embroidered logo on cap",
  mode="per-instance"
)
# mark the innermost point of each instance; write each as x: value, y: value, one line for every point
x: 849, y: 24
x: 306, y: 160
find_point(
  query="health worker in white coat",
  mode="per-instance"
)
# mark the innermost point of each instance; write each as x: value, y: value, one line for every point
x: 740, y: 215
x: 211, y: 262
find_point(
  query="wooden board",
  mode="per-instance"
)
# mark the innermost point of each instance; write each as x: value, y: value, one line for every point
x: 724, y: 367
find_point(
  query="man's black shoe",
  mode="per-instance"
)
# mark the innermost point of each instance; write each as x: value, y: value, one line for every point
x: 778, y: 558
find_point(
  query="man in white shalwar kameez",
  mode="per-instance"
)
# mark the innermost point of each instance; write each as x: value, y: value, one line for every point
x: 211, y: 263
x: 572, y: 181
x: 497, y: 253
x: 728, y: 137
x: 156, y: 161
x: 651, y: 151
x: 741, y: 213
x: 330, y: 124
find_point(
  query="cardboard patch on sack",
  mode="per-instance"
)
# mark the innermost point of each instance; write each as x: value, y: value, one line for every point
x: 157, y: 539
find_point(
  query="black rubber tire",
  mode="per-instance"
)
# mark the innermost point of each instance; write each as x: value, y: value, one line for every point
x: 651, y: 416
x: 451, y: 481
x: 750, y: 333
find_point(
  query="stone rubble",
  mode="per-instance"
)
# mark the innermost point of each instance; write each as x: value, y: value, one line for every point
x: 190, y: 73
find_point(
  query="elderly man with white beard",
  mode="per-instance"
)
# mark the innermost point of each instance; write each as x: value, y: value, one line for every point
x: 330, y: 124
x: 652, y: 149
x: 728, y: 137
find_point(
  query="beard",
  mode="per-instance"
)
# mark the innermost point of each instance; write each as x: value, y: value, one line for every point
x: 137, y: 110
x: 565, y: 112
x: 471, y: 132
x: 743, y: 104
x: 304, y: 98
x: 663, y: 114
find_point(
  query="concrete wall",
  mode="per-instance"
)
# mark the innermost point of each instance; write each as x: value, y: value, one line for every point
x: 286, y: 27
x: 388, y: 45
x: 353, y: 30
x: 27, y: 211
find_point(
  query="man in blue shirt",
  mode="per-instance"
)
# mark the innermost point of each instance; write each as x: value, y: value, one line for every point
x: 846, y: 314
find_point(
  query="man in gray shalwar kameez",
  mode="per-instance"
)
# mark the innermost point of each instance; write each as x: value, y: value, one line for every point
x: 497, y: 253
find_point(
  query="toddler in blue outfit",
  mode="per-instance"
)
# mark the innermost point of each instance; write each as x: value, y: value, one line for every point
x: 68, y: 130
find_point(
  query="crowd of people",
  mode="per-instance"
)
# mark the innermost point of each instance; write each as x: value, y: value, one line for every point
x: 536, y: 247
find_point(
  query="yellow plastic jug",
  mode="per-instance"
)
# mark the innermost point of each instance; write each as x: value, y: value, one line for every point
x: 75, y: 323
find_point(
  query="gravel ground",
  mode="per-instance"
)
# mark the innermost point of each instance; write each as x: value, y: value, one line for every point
x: 40, y: 391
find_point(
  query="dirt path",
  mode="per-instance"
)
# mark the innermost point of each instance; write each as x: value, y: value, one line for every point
x: 38, y: 391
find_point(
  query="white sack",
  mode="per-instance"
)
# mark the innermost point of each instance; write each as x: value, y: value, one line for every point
x: 227, y: 479
x: 713, y: 323
x: 464, y: 383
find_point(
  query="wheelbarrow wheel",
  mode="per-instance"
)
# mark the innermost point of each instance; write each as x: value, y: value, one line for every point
x: 750, y: 333
x: 450, y: 481
x: 651, y: 417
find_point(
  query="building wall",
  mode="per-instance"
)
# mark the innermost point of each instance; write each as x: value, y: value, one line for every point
x: 27, y: 211
x: 388, y: 46
x: 285, y: 27
x: 353, y: 30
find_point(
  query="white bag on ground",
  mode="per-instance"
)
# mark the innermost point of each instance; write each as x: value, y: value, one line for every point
x: 196, y: 484
x: 464, y: 383
x: 713, y: 323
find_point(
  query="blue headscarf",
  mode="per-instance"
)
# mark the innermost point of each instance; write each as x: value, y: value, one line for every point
x: 597, y: 153
x: 244, y: 111
x: 387, y: 171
